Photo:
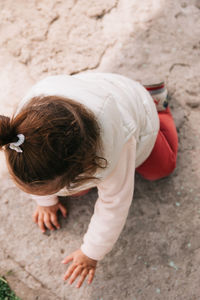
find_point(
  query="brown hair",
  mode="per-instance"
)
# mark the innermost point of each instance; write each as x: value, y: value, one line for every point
x: 62, y: 139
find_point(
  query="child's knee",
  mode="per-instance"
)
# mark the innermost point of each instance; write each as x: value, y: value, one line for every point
x: 160, y: 170
x: 166, y: 169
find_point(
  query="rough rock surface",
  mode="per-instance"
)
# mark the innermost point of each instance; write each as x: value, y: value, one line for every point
x: 158, y: 253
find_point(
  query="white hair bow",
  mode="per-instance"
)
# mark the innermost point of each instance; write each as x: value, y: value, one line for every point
x: 15, y: 146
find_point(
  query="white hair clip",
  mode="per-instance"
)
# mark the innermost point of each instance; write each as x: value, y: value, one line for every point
x: 15, y: 146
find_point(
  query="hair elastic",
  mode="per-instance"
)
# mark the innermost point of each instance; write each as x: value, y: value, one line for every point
x: 15, y: 146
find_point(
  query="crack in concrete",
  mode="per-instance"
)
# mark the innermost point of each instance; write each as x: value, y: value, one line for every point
x: 105, y: 12
x: 193, y: 105
x: 57, y: 16
x: 178, y: 64
x: 98, y: 63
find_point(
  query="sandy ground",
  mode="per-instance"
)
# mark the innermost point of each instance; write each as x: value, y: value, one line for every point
x: 158, y: 253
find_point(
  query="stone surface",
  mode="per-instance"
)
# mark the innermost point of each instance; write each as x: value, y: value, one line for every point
x: 157, y: 255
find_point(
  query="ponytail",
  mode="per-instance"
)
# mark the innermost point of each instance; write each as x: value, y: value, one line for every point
x: 8, y: 132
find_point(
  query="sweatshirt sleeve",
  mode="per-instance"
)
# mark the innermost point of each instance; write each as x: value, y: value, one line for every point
x: 115, y: 195
x: 49, y: 200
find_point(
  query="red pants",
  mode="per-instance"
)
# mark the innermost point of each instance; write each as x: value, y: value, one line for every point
x: 162, y: 160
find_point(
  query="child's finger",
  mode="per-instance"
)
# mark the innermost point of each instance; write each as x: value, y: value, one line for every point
x: 91, y: 275
x: 67, y: 259
x: 62, y: 209
x: 48, y: 222
x: 54, y: 221
x: 69, y: 272
x: 75, y: 274
x: 35, y: 216
x: 41, y: 223
x: 82, y: 278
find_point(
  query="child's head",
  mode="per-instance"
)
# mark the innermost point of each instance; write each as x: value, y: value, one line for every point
x: 60, y: 149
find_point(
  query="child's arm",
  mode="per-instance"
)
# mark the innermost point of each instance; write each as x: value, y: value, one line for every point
x: 110, y: 213
x: 112, y: 206
x: 46, y: 211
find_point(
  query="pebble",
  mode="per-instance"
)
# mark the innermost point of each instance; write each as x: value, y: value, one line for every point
x: 171, y: 264
x: 178, y: 204
x: 158, y: 291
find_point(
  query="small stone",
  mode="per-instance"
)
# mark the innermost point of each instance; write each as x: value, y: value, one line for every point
x: 171, y: 264
x: 189, y: 245
x: 158, y: 291
x: 178, y: 204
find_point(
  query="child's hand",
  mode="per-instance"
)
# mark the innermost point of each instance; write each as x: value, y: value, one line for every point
x: 47, y: 216
x: 81, y: 266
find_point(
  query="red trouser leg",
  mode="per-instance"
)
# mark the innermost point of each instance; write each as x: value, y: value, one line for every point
x: 162, y: 160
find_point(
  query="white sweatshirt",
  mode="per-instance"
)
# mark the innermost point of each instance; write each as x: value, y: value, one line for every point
x: 129, y: 125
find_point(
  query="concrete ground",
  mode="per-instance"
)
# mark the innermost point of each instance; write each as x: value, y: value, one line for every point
x: 158, y: 253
